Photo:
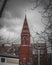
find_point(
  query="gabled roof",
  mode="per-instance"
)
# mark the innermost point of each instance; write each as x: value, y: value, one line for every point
x: 9, y: 55
x: 9, y: 51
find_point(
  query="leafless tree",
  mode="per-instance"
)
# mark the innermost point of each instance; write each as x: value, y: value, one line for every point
x: 47, y: 8
x: 3, y: 6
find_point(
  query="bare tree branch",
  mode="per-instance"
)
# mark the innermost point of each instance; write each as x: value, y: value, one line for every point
x: 48, y: 6
x: 2, y: 8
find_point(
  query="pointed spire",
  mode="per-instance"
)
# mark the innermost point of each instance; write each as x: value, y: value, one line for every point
x: 25, y: 18
x: 25, y: 25
x: 25, y: 21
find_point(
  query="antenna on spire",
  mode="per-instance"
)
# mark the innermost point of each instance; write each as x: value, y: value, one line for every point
x: 25, y: 12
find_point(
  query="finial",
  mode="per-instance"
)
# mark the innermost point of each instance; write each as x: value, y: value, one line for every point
x: 25, y: 15
x: 25, y: 12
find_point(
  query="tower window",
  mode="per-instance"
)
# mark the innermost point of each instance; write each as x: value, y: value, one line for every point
x: 24, y: 38
x: 2, y: 59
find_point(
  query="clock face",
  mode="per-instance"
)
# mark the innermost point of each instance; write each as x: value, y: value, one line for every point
x: 24, y: 38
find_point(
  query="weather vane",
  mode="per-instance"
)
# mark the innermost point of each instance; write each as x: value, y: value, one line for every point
x: 25, y: 11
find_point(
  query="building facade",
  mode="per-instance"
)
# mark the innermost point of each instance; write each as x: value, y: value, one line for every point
x: 25, y: 48
x: 40, y: 56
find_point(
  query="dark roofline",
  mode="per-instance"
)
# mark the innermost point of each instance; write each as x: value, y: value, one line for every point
x: 9, y: 56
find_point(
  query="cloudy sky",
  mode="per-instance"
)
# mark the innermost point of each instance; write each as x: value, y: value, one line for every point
x: 13, y: 18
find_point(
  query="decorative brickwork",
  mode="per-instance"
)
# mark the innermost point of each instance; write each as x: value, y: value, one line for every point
x: 25, y: 48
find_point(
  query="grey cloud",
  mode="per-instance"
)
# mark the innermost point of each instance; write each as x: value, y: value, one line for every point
x: 1, y: 23
x: 16, y: 9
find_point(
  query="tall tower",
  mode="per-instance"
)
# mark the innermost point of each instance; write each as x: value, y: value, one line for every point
x: 25, y: 44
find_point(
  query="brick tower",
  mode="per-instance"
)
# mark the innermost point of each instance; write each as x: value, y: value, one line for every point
x: 25, y: 49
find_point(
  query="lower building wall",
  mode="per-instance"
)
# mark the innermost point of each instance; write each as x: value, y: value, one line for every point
x: 9, y: 61
x: 43, y: 60
x: 7, y: 64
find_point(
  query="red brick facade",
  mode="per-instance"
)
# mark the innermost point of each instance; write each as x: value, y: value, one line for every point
x: 25, y: 44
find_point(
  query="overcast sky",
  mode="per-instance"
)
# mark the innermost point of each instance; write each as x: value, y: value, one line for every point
x: 13, y: 18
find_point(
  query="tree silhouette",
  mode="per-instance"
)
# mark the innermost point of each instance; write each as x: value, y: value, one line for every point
x: 47, y: 8
x: 2, y: 7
